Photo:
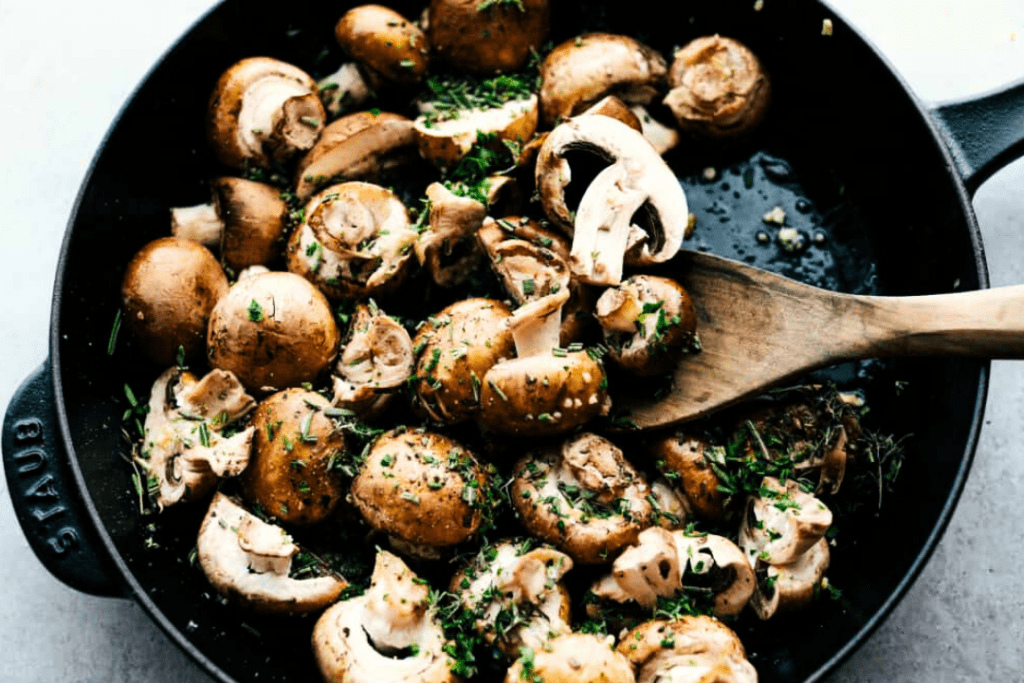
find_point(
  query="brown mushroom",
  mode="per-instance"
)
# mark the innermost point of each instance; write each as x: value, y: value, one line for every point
x: 574, y: 658
x: 444, y: 137
x: 168, y: 291
x: 448, y: 248
x: 273, y: 330
x: 690, y: 649
x: 494, y: 36
x: 793, y: 586
x: 782, y: 522
x: 687, y: 462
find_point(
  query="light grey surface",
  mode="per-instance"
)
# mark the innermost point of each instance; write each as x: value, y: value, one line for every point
x: 65, y: 70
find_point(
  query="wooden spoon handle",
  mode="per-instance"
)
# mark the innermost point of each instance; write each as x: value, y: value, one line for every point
x: 987, y: 323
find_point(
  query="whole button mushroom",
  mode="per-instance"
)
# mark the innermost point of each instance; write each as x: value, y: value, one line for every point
x: 573, y: 658
x: 263, y: 112
x: 489, y: 37
x: 719, y: 89
x: 168, y: 293
x: 289, y: 475
x: 274, y: 331
x: 686, y: 460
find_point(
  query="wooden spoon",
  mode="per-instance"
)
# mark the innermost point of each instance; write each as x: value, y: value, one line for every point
x: 758, y: 329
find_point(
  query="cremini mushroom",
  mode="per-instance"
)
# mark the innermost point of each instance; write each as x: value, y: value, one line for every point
x: 248, y: 561
x: 719, y: 89
x: 245, y: 220
x: 671, y: 510
x: 376, y: 358
x: 444, y: 136
x: 793, y: 586
x: 184, y: 452
x: 390, y: 634
x: 290, y: 475
x: 687, y: 461
x: 583, y: 497
x: 649, y: 322
x: 632, y: 211
x: 273, y: 330
x: 168, y: 291
x: 782, y: 522
x: 574, y: 658
x: 490, y: 37
x: 448, y: 248
x: 516, y: 592
x: 355, y: 241
x: 582, y: 70
x: 263, y: 112
x: 424, y: 490
x: 690, y: 649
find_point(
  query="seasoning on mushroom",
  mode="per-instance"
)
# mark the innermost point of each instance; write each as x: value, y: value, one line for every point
x: 248, y: 561
x: 782, y: 522
x: 690, y: 649
x: 793, y: 586
x: 685, y: 461
x: 494, y: 36
x: 573, y: 658
x: 263, y: 112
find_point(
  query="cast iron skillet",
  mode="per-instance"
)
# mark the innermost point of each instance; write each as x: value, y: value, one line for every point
x: 848, y: 151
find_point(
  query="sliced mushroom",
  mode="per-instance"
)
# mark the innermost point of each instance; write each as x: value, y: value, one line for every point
x: 584, y: 498
x: 512, y: 583
x: 649, y: 323
x: 782, y: 522
x: 390, y: 634
x: 377, y: 358
x: 355, y: 242
x: 662, y: 137
x: 245, y: 220
x: 719, y: 89
x: 690, y: 649
x: 248, y: 560
x: 790, y: 587
x: 448, y: 248
x: 671, y: 509
x: 361, y: 146
x: 263, y: 111
x: 184, y: 454
x: 632, y: 211
x: 582, y: 70
x: 574, y: 658
x: 487, y: 37
x: 687, y: 462
x: 445, y: 137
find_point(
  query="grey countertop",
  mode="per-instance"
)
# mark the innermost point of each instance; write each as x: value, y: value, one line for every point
x: 66, y: 68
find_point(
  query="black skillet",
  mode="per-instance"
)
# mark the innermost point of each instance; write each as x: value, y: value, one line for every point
x: 878, y: 185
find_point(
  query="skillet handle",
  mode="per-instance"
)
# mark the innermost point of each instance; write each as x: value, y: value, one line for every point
x: 42, y: 487
x: 983, y: 133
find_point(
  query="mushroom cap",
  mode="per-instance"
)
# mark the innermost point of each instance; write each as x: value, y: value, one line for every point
x: 690, y: 649
x: 289, y: 475
x: 240, y: 575
x: 793, y: 586
x: 273, y: 330
x: 444, y: 142
x: 580, y: 71
x: 254, y: 221
x: 386, y: 44
x: 687, y: 462
x: 487, y: 38
x: 355, y: 241
x: 263, y: 110
x: 649, y: 322
x: 169, y: 289
x: 421, y: 488
x: 542, y: 395
x: 359, y: 146
x: 457, y: 347
x: 574, y: 658
x: 719, y: 89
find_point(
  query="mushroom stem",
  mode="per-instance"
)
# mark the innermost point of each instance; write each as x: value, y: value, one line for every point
x: 199, y: 223
x: 345, y: 88
x: 619, y: 309
x: 269, y: 548
x: 602, y: 226
x: 537, y: 326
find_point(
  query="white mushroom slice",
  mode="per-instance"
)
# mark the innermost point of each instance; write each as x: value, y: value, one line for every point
x: 782, y: 523
x: 690, y: 649
x: 636, y: 184
x: 247, y: 561
x: 378, y: 356
x: 449, y: 249
x: 661, y: 137
x: 788, y: 587
x: 183, y: 452
x: 368, y: 639
x: 444, y: 141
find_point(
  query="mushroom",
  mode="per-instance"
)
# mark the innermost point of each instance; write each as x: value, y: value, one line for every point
x: 354, y: 242
x: 245, y: 220
x: 662, y: 138
x: 782, y: 522
x: 448, y: 248
x: 376, y: 359
x: 273, y: 330
x: 690, y: 649
x: 364, y: 145
x: 263, y: 112
x: 649, y: 323
x: 490, y: 37
x: 445, y: 136
x: 687, y: 461
x: 290, y: 475
x: 583, y: 497
x: 248, y: 562
x: 167, y: 293
x: 671, y: 509
x: 424, y: 490
x: 790, y: 587
x: 719, y: 89
x: 390, y: 634
x: 184, y: 453
x: 632, y: 211
x: 574, y: 658
x: 455, y: 349
x: 663, y: 563
x: 516, y: 594
x: 582, y: 70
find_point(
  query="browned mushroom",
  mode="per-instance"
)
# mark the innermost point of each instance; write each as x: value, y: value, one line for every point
x: 782, y: 522
x: 448, y: 248
x: 574, y: 658
x: 687, y: 462
x: 690, y: 649
x: 494, y: 36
